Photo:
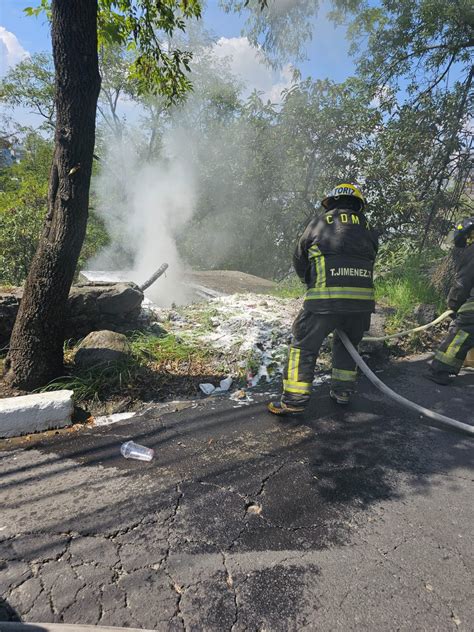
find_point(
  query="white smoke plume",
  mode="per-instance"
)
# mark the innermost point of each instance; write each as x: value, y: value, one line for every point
x: 143, y: 205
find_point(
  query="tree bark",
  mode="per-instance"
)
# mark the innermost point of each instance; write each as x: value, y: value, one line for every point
x: 36, y: 347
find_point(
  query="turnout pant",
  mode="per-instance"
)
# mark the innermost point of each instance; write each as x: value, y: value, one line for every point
x: 452, y: 352
x: 309, y: 331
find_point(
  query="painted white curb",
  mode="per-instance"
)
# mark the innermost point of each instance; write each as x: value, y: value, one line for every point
x: 33, y: 413
x: 61, y: 627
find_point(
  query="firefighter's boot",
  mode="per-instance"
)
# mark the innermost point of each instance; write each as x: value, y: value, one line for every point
x: 280, y: 408
x: 439, y: 377
x: 340, y: 397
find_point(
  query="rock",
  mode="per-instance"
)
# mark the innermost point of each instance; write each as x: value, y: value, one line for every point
x: 377, y: 329
x: 121, y: 298
x: 91, y: 307
x: 112, y: 306
x: 425, y: 313
x: 157, y: 330
x: 101, y: 348
x: 34, y: 413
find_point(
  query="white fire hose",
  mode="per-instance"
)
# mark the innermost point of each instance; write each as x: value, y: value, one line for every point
x: 426, y: 412
x: 438, y: 320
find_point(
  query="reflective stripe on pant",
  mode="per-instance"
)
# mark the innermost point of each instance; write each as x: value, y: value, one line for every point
x: 309, y: 332
x: 452, y: 351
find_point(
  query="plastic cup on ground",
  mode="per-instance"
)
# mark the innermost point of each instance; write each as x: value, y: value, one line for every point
x: 132, y: 450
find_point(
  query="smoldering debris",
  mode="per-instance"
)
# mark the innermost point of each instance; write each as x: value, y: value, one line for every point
x: 250, y: 332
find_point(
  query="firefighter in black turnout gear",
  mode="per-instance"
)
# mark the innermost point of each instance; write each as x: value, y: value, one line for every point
x: 334, y: 258
x: 452, y: 352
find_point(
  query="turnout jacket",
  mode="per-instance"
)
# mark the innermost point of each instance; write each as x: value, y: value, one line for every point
x: 335, y: 258
x: 461, y: 295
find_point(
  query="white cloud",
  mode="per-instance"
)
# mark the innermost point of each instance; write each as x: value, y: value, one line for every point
x: 11, y: 51
x: 248, y: 64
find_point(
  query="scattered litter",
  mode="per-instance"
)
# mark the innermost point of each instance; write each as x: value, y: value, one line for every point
x: 239, y: 395
x: 210, y: 389
x: 455, y: 619
x: 225, y: 384
x: 251, y: 331
x: 132, y: 450
x: 254, y: 508
x: 106, y: 420
x: 321, y: 379
x: 242, y: 398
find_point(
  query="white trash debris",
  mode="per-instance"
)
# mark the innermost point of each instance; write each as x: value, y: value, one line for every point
x: 106, y: 420
x: 207, y: 388
x: 210, y: 389
x: 248, y: 330
x: 225, y: 384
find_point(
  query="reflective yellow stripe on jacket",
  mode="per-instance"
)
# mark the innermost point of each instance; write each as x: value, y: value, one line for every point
x: 353, y: 293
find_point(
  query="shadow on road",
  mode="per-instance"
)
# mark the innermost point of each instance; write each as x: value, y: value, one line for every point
x: 313, y: 473
x: 7, y: 613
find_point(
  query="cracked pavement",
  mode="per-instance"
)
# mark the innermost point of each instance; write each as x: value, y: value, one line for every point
x: 352, y: 519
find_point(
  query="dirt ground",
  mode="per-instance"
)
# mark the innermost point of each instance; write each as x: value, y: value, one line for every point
x: 232, y: 281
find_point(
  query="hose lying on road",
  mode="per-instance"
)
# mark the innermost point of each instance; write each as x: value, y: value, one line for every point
x: 426, y: 412
x: 443, y: 316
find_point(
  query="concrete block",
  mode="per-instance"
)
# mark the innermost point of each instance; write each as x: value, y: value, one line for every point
x: 34, y: 413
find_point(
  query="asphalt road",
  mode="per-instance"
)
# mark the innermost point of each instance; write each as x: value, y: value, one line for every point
x: 352, y: 519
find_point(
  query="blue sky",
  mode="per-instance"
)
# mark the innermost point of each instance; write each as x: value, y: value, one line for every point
x: 327, y: 53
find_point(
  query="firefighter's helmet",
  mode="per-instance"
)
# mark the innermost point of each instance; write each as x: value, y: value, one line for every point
x: 463, y: 232
x: 344, y: 190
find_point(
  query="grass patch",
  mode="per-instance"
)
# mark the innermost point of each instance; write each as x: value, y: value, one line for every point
x: 404, y: 288
x: 164, y: 349
x: 289, y: 288
x: 95, y: 384
x: 155, y: 363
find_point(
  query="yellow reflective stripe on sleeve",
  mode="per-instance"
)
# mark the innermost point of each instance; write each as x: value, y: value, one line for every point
x: 457, y: 342
x: 357, y: 293
x: 319, y: 264
x: 303, y: 388
x: 321, y: 281
x: 344, y: 375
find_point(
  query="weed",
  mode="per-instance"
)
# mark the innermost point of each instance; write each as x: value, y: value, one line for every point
x: 404, y: 288
x: 289, y: 288
x: 252, y: 362
x: 94, y: 384
x: 164, y: 349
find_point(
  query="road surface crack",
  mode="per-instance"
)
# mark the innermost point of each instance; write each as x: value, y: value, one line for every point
x: 230, y: 585
x: 268, y: 477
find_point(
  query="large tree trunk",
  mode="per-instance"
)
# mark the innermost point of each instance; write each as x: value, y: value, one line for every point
x: 36, y: 346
